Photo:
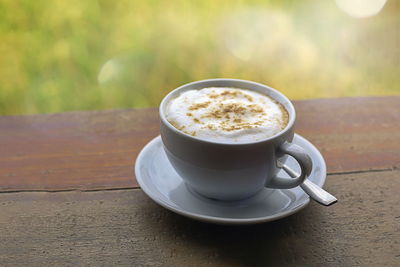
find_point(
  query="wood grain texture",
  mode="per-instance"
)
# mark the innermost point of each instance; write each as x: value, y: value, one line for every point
x: 74, y: 150
x: 97, y: 150
x: 125, y: 228
x: 353, y: 134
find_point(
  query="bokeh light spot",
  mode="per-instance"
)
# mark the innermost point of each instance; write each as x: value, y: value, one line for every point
x: 108, y: 72
x: 361, y: 8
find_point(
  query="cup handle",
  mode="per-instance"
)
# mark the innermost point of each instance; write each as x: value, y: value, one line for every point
x: 304, y: 161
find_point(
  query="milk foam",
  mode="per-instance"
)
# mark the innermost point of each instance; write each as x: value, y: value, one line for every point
x: 227, y: 115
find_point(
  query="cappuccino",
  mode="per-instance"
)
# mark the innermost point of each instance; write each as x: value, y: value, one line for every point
x: 226, y: 115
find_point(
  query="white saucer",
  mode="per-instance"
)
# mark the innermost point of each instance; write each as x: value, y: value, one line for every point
x: 160, y: 182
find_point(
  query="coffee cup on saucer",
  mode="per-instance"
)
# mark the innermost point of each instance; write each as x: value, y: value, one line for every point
x: 224, y: 136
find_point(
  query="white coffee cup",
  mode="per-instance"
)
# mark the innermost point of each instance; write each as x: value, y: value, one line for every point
x: 232, y: 171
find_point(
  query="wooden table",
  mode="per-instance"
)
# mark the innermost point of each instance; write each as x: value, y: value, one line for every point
x: 68, y: 195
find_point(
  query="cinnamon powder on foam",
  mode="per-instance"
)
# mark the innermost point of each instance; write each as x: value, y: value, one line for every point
x: 227, y: 114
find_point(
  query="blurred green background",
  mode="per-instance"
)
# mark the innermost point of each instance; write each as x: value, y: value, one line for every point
x: 97, y: 54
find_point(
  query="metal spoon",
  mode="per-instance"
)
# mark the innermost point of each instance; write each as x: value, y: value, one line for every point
x: 313, y: 190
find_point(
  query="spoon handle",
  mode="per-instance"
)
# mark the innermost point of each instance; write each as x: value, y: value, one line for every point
x: 313, y: 190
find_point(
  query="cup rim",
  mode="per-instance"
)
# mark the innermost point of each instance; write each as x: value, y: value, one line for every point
x: 165, y: 100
